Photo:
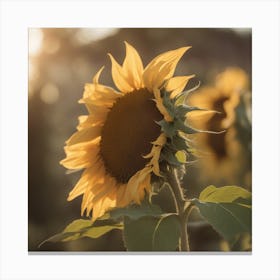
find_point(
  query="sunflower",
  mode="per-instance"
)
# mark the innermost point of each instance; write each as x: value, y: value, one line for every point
x: 128, y: 131
x: 221, y: 151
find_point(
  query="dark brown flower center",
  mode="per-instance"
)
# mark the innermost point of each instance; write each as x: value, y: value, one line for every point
x: 127, y: 134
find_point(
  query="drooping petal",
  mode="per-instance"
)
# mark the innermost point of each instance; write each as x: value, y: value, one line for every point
x: 143, y: 185
x: 176, y: 85
x: 162, y: 68
x: 90, y: 177
x: 121, y: 199
x: 160, y: 106
x: 120, y: 77
x: 80, y: 187
x: 155, y: 153
x: 134, y: 183
x: 160, y: 141
x: 105, y: 203
x: 133, y: 67
x: 100, y: 198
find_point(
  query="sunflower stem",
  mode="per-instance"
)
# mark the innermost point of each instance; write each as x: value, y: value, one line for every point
x: 183, y: 207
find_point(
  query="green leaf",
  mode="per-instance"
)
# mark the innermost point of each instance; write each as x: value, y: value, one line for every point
x: 227, y: 209
x: 167, y: 233
x: 95, y: 232
x: 181, y: 156
x: 137, y: 211
x: 225, y: 194
x: 152, y: 234
x: 164, y: 199
x: 138, y: 234
x: 84, y: 228
x: 78, y: 225
x: 229, y: 219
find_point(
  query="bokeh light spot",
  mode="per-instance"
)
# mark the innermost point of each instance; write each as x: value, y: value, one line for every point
x: 49, y: 93
x: 88, y: 35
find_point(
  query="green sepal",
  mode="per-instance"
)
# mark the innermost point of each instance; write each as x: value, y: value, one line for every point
x: 170, y: 157
x: 181, y: 126
x: 181, y: 98
x: 168, y: 128
x: 183, y: 109
x: 168, y: 103
x: 179, y: 143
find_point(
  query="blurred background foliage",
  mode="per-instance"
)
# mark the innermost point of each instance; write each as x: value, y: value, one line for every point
x: 61, y: 61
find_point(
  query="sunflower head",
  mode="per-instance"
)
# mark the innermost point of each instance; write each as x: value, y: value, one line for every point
x: 223, y: 97
x: 221, y: 151
x: 129, y: 131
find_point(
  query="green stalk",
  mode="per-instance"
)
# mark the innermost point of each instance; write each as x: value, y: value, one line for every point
x: 183, y: 207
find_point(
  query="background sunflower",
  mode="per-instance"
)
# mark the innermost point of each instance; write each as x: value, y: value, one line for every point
x: 61, y: 62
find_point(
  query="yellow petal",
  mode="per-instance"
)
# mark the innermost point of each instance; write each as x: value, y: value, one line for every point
x: 80, y: 158
x: 120, y: 77
x: 155, y: 153
x: 135, y: 181
x: 96, y: 118
x: 162, y: 67
x: 89, y: 88
x: 121, y: 198
x: 133, y: 67
x: 86, y: 200
x: 103, y: 197
x: 80, y: 187
x: 160, y: 106
x: 106, y: 203
x: 176, y: 85
x: 97, y: 75
x: 90, y: 177
x: 144, y: 185
x: 99, y: 95
x: 155, y: 160
x: 84, y: 135
x: 161, y: 140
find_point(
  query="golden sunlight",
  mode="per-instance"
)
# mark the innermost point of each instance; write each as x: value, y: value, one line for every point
x: 35, y: 41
